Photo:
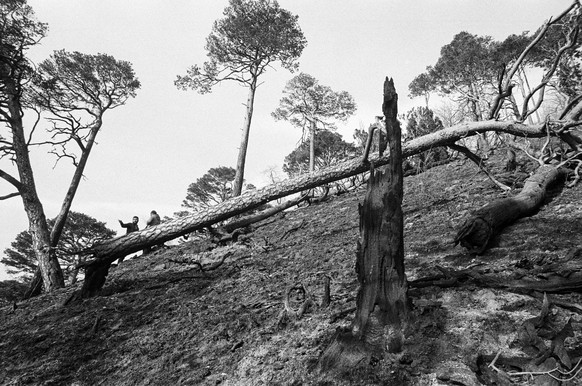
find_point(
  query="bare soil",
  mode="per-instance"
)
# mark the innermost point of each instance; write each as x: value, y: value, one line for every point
x: 161, y: 321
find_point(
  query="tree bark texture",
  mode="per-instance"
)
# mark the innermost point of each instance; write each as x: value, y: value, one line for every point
x: 380, y: 256
x: 51, y: 272
x: 484, y: 223
x: 382, y: 303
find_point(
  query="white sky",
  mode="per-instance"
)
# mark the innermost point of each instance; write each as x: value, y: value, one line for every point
x: 150, y: 150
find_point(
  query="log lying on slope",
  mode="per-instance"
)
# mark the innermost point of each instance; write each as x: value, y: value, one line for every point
x: 111, y: 249
x: 100, y: 256
x: 486, y: 222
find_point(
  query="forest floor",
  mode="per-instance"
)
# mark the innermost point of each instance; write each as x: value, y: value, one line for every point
x: 161, y: 321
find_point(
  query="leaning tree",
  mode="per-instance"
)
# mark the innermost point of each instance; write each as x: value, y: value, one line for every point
x: 70, y: 92
x: 252, y: 36
x: 312, y: 106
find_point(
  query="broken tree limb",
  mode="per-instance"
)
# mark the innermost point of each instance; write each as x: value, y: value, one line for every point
x: 455, y: 278
x: 486, y: 222
x: 256, y: 217
x: 480, y: 163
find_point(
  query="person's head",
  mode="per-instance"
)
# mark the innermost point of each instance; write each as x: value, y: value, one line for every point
x: 154, y: 212
x: 135, y: 219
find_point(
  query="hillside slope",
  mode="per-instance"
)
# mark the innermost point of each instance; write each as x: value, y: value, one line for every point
x: 160, y: 321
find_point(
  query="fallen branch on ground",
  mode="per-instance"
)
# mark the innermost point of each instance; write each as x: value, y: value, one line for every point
x: 488, y: 221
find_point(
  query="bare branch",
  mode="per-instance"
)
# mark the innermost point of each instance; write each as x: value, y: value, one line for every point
x: 570, y: 43
x: 17, y: 184
x: 479, y: 161
x: 505, y: 87
x: 15, y: 194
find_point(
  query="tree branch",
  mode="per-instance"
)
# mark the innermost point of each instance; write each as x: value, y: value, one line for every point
x: 9, y: 196
x: 11, y: 180
x: 479, y: 161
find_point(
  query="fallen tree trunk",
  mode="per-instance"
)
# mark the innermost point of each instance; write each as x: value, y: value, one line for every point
x: 454, y: 278
x: 486, y: 222
x: 136, y: 241
x: 103, y: 254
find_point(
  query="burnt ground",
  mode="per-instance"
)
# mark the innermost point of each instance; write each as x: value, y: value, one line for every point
x: 161, y: 321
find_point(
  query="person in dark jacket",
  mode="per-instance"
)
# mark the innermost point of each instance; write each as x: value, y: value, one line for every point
x: 130, y: 227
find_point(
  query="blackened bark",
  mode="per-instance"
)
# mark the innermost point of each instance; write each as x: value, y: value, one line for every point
x: 484, y: 223
x: 382, y: 303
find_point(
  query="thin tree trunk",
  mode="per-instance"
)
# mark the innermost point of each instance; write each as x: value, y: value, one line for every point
x: 244, y: 143
x: 382, y: 301
x: 74, y: 185
x: 52, y: 274
x: 256, y: 217
x: 312, y: 147
x: 486, y: 222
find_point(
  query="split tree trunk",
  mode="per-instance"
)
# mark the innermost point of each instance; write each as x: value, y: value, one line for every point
x: 483, y: 224
x: 382, y: 303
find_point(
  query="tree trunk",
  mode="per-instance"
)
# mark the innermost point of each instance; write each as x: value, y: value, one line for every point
x: 312, y: 147
x: 35, y: 287
x: 74, y: 185
x: 50, y: 269
x: 108, y: 251
x: 251, y: 199
x: 244, y: 143
x: 382, y: 302
x: 486, y: 222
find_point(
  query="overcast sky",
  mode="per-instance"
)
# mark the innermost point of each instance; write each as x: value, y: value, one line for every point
x: 150, y: 150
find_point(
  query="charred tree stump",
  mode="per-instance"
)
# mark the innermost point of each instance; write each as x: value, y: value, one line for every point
x: 484, y: 223
x: 382, y: 301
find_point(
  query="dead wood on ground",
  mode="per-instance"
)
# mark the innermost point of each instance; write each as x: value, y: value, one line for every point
x: 484, y: 223
x: 484, y: 278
